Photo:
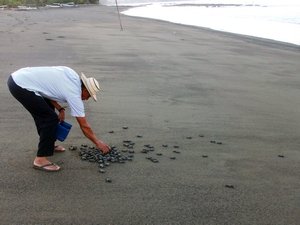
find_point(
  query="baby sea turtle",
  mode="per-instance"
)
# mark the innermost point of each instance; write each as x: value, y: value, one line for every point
x: 165, y: 146
x: 176, y: 151
x: 144, y: 151
x: 113, y: 160
x: 139, y: 136
x: 108, y: 180
x: 154, y: 160
x: 281, y: 156
x: 229, y: 186
x: 219, y: 143
x: 189, y: 137
x: 111, y: 132
x: 175, y: 146
x: 72, y: 148
x: 173, y: 158
x: 151, y: 148
x: 201, y: 135
x: 159, y: 154
x: 204, y: 156
x: 213, y: 142
x: 125, y: 127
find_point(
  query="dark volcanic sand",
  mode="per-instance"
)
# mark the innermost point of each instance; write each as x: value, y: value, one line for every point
x: 165, y: 82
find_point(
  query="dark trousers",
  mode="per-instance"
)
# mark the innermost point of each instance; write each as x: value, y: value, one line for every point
x: 43, y: 113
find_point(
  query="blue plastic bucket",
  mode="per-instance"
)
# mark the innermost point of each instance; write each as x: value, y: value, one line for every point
x: 63, y: 129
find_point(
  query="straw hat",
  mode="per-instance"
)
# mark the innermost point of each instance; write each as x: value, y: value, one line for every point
x: 91, y: 85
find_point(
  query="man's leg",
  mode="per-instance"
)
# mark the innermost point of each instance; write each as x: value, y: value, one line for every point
x: 57, y: 148
x: 45, y: 118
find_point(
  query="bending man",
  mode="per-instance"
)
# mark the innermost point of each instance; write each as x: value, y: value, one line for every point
x: 39, y: 90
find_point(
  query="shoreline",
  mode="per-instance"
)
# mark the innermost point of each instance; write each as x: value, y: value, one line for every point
x: 249, y: 38
x: 262, y: 29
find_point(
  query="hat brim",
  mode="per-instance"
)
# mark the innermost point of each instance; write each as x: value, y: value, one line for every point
x: 84, y: 78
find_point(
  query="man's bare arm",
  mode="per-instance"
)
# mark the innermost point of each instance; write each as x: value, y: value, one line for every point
x: 88, y: 132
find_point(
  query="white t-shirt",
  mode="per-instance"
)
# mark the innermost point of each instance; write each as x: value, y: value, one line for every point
x: 58, y: 83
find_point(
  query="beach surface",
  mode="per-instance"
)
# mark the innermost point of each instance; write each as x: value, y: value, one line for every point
x: 173, y: 85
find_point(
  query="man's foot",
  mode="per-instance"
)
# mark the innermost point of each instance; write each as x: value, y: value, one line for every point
x: 50, y: 167
x: 42, y: 163
x: 59, y: 148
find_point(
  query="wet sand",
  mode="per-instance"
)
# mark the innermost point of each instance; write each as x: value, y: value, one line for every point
x: 165, y: 82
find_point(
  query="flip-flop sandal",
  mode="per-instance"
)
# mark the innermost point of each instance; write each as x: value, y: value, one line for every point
x: 44, y: 167
x: 59, y: 148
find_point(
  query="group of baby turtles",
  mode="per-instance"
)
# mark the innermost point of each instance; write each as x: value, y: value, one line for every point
x: 94, y: 155
x: 125, y: 153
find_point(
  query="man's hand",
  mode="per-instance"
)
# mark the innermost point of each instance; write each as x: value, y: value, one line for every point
x: 104, y: 148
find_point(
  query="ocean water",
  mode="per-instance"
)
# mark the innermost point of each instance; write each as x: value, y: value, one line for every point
x: 271, y: 19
